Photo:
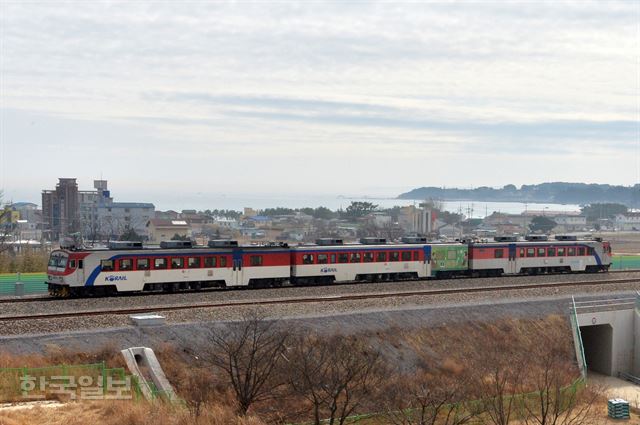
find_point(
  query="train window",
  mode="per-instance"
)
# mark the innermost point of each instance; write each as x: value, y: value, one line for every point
x: 72, y: 264
x: 592, y: 250
x: 560, y: 252
x: 355, y: 257
x: 394, y: 256
x: 223, y: 261
x: 551, y: 252
x: 451, y: 254
x: 416, y: 255
x: 368, y: 257
x: 80, y: 264
x: 382, y: 257
x: 521, y: 252
x: 343, y: 258
x: 498, y: 253
x: 177, y: 262
x: 106, y: 265
x: 209, y: 262
x: 307, y: 259
x: 126, y: 264
x: 531, y: 252
x: 142, y: 263
x: 333, y: 258
x: 542, y: 252
x: 571, y: 251
x: 582, y: 251
x: 193, y: 262
x: 255, y: 260
x: 323, y: 258
x: 160, y: 263
x: 406, y: 256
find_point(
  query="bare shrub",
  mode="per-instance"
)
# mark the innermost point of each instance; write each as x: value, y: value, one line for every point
x: 336, y: 376
x: 247, y: 353
x: 497, y: 377
x: 427, y: 399
x: 554, y: 401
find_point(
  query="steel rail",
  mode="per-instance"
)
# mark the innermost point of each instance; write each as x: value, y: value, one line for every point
x: 315, y: 299
x: 28, y: 298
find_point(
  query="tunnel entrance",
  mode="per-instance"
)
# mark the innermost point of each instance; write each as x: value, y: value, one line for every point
x: 598, y: 347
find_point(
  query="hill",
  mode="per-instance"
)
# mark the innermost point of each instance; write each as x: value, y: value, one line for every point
x: 556, y: 192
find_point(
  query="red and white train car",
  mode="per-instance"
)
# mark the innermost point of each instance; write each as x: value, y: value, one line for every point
x: 174, y: 266
x: 372, y: 260
x: 538, y: 255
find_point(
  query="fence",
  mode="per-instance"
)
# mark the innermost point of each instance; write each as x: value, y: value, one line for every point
x: 34, y: 283
x: 621, y: 262
x: 85, y: 381
x: 562, y: 400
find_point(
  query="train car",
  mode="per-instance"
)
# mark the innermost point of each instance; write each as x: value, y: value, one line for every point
x: 176, y: 265
x: 538, y: 254
x: 449, y: 260
x: 330, y: 260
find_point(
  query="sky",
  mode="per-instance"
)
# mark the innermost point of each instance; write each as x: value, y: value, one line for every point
x: 184, y: 100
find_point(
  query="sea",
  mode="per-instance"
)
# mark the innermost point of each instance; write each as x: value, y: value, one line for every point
x: 471, y: 209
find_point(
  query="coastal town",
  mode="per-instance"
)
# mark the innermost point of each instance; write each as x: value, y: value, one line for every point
x: 97, y: 218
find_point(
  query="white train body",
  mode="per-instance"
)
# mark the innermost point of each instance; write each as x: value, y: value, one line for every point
x: 109, y: 271
x: 531, y: 257
x: 348, y: 263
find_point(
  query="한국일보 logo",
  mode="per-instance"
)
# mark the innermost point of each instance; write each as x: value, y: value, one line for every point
x: 114, y: 278
x: 328, y: 270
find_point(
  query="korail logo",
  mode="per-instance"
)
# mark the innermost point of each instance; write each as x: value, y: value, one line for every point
x: 114, y: 278
x: 328, y: 270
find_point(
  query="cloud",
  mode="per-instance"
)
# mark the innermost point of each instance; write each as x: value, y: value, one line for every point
x: 353, y: 83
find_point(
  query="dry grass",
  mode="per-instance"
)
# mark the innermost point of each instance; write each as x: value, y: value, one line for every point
x: 124, y: 413
x: 27, y: 261
x: 440, y: 353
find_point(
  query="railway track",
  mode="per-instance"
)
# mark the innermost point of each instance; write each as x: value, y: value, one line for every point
x: 47, y: 298
x: 316, y: 299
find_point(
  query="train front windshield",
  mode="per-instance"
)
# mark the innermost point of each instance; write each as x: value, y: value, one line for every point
x: 58, y: 260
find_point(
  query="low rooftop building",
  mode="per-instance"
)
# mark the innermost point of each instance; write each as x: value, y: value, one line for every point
x: 163, y: 230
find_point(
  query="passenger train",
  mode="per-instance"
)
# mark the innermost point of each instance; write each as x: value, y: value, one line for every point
x: 178, y: 265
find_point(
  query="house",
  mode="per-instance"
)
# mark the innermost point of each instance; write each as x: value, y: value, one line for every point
x: 627, y: 221
x: 570, y: 222
x: 259, y: 221
x: 225, y: 222
x: 159, y: 229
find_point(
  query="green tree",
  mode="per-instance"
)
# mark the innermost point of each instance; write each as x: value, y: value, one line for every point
x: 130, y: 235
x: 323, y: 213
x: 594, y: 212
x: 177, y: 237
x: 542, y: 224
x: 270, y: 212
x: 360, y: 209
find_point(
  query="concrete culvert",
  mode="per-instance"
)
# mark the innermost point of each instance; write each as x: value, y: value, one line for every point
x: 598, y: 348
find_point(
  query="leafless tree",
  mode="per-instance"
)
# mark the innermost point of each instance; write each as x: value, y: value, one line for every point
x: 429, y: 400
x: 248, y: 352
x: 497, y: 381
x: 554, y: 401
x: 336, y: 376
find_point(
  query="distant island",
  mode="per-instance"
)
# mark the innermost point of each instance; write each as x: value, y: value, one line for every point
x: 556, y: 193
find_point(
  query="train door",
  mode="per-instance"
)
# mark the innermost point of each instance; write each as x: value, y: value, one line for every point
x: 512, y: 267
x: 427, y: 259
x: 237, y: 269
x: 80, y: 272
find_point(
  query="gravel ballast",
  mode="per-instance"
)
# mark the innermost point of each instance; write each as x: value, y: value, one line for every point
x: 559, y: 295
